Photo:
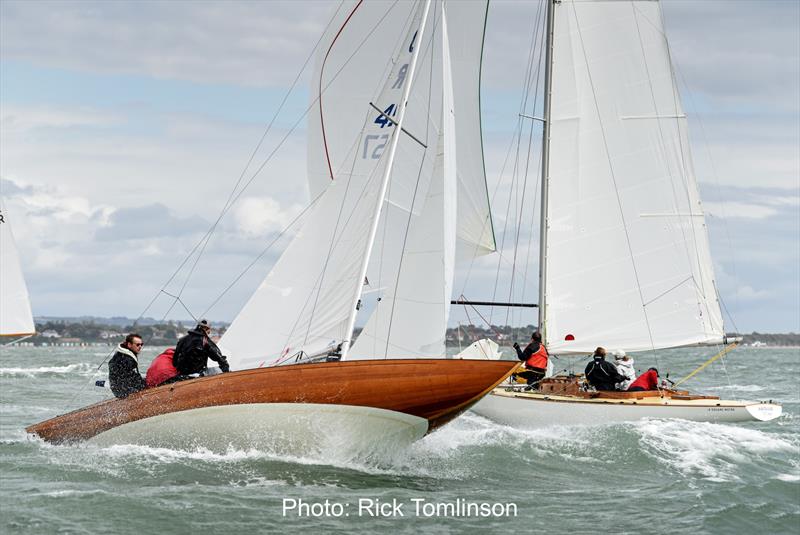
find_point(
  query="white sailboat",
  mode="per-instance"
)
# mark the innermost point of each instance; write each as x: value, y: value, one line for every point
x: 624, y: 259
x: 384, y: 168
x: 16, y: 319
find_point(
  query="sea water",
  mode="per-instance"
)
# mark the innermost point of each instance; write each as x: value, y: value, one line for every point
x: 651, y: 476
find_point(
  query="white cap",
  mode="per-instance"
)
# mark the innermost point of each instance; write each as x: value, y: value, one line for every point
x: 618, y: 354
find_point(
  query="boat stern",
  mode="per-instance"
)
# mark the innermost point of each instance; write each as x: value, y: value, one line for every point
x: 765, y: 411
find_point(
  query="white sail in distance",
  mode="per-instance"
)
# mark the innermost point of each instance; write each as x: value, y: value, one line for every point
x: 627, y: 260
x: 305, y: 302
x: 16, y: 318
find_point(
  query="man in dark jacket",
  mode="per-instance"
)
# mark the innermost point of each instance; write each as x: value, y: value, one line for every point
x: 194, y: 350
x: 601, y: 374
x: 123, y: 368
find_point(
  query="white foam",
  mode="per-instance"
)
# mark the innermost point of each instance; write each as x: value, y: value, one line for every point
x: 81, y: 368
x: 715, y: 451
x: 71, y: 492
x: 738, y: 388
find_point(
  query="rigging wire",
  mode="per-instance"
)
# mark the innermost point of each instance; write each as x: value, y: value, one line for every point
x: 520, y: 218
x: 517, y: 139
x: 233, y: 197
x: 430, y: 48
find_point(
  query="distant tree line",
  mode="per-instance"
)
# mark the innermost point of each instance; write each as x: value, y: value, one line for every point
x: 166, y: 334
x: 91, y: 332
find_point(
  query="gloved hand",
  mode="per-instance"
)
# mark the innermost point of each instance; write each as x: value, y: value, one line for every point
x: 516, y: 345
x: 223, y: 365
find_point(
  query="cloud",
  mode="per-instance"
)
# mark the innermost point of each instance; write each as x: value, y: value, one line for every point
x: 154, y: 220
x: 20, y: 119
x: 248, y: 43
x: 739, y: 210
x: 747, y: 293
x: 260, y: 215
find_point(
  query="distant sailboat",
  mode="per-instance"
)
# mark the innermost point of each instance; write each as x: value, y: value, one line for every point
x: 16, y: 320
x: 625, y: 260
x: 384, y: 168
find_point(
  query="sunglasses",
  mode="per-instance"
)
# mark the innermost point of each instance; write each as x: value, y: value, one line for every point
x: 140, y: 344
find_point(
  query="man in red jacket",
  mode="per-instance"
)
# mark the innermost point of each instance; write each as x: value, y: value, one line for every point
x: 161, y: 370
x: 647, y: 381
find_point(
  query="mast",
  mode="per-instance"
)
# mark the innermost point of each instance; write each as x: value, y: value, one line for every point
x: 545, y: 171
x: 385, y: 182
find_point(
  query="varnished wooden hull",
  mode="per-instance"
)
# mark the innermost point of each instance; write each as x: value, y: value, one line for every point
x: 434, y: 389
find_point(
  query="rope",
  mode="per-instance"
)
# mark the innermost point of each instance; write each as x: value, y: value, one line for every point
x: 724, y: 351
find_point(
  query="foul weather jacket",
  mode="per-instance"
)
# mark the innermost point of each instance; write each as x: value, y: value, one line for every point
x: 123, y: 373
x: 162, y: 369
x: 534, y: 356
x: 194, y: 350
x: 625, y: 367
x: 647, y: 381
x: 602, y: 375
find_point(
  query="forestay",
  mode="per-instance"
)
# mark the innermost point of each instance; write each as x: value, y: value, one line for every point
x: 15, y: 307
x: 628, y: 262
x: 305, y: 302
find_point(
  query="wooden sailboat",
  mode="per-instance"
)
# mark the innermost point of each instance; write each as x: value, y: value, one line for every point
x: 16, y: 319
x: 383, y: 165
x: 624, y: 255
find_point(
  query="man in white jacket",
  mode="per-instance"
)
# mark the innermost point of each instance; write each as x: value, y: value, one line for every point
x: 624, y: 366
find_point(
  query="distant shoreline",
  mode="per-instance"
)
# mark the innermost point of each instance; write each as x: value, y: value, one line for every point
x: 90, y: 330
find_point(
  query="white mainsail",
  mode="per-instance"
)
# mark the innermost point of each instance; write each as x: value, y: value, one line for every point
x: 306, y: 300
x: 15, y: 307
x: 627, y: 257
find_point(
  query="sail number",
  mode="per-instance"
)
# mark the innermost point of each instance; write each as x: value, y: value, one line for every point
x: 383, y: 118
x: 374, y: 145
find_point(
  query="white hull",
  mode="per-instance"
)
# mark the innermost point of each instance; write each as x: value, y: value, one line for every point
x: 531, y: 411
x: 282, y: 428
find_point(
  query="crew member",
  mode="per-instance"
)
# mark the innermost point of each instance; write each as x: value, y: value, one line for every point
x: 162, y: 370
x: 535, y: 358
x: 123, y: 368
x: 193, y: 351
x: 601, y: 374
x: 624, y: 366
x: 647, y: 381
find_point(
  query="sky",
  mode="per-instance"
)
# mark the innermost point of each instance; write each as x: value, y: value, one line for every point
x: 125, y: 125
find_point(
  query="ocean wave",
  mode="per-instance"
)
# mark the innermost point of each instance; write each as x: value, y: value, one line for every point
x: 81, y: 368
x: 714, y: 451
x: 738, y: 388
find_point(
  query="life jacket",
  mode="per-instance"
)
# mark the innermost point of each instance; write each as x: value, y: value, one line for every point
x: 648, y: 381
x: 162, y: 369
x: 538, y: 359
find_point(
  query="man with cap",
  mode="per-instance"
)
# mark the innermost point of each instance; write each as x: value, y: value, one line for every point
x: 193, y: 351
x: 624, y: 366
